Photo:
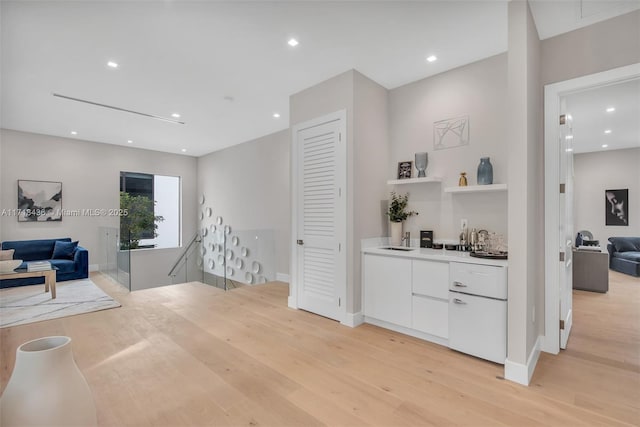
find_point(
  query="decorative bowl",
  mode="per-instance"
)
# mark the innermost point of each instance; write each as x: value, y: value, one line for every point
x: 9, y: 265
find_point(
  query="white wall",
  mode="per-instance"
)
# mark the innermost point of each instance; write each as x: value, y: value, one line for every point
x: 371, y: 155
x: 248, y: 186
x: 606, y: 170
x: 90, y: 176
x: 599, y: 47
x: 524, y: 106
x: 478, y: 90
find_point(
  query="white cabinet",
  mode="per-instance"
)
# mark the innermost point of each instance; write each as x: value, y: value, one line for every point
x: 478, y: 310
x: 387, y: 291
x: 478, y: 326
x: 430, y: 293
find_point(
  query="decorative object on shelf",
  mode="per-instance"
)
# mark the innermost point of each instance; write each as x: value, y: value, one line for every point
x: 397, y: 214
x: 485, y: 171
x: 617, y: 207
x: 46, y: 387
x: 404, y: 169
x: 451, y: 133
x: 39, y: 201
x: 462, y: 182
x: 422, y: 160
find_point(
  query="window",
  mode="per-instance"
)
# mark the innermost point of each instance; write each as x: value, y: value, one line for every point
x: 153, y: 210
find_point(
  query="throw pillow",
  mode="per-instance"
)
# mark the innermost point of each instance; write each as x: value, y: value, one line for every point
x: 64, y: 250
x: 623, y: 244
x: 6, y: 254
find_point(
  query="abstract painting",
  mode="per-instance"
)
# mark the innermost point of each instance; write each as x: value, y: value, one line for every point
x: 451, y: 133
x: 39, y: 201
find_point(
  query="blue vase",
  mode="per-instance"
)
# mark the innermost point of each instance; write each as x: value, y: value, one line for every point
x: 485, y: 172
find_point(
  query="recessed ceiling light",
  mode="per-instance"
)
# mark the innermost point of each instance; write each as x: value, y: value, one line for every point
x: 431, y: 58
x: 293, y: 42
x: 129, y: 141
x: 176, y: 115
x: 112, y: 64
x: 73, y: 132
x: 605, y: 145
x: 568, y: 137
x: 569, y: 150
x: 608, y: 131
x: 184, y: 150
x: 611, y: 110
x: 276, y: 115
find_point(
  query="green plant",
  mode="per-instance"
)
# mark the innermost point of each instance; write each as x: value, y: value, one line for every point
x: 138, y: 220
x: 397, y: 208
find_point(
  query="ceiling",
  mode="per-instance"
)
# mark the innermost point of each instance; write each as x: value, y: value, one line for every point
x: 224, y: 66
x: 591, y: 119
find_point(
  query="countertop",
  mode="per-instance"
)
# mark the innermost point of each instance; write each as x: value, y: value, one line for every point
x: 435, y: 255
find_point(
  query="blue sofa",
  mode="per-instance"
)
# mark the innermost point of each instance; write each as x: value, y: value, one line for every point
x: 624, y: 255
x: 42, y: 250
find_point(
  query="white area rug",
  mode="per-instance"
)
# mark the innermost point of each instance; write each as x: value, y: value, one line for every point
x: 27, y: 304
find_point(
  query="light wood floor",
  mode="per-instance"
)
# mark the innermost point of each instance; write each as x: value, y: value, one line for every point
x: 191, y: 354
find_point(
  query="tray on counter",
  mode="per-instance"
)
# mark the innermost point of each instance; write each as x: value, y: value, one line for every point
x: 490, y: 255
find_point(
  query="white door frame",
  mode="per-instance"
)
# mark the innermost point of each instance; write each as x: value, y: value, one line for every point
x: 552, y: 94
x: 294, y: 279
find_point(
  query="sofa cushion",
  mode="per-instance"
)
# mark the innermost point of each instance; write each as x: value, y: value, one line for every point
x: 630, y: 255
x: 63, y: 265
x: 6, y: 255
x: 64, y: 250
x: 626, y: 244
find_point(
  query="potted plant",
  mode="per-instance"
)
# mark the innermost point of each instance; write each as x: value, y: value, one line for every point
x: 397, y: 213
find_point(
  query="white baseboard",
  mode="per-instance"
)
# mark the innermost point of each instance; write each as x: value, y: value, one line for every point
x: 291, y: 302
x: 353, y: 319
x: 519, y: 373
x: 282, y: 277
x: 93, y: 267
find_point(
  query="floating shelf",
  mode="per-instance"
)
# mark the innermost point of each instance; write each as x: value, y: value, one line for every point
x: 476, y: 188
x: 414, y: 180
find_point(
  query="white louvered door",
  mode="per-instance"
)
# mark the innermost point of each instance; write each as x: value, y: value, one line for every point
x: 321, y: 217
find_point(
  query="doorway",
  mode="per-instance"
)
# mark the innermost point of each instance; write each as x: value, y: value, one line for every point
x: 558, y: 295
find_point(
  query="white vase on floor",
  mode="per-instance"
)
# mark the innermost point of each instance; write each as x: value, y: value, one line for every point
x: 396, y: 233
x: 47, y: 388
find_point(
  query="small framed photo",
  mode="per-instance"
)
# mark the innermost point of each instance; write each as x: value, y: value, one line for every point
x: 404, y: 169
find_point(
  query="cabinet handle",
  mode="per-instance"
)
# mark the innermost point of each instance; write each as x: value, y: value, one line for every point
x: 458, y: 301
x: 459, y: 285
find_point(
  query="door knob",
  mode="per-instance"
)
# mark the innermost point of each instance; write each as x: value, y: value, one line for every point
x: 300, y: 242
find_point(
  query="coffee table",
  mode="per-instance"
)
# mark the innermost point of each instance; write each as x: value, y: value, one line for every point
x: 49, y: 277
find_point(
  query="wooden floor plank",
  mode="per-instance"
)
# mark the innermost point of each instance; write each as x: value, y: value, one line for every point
x: 191, y: 354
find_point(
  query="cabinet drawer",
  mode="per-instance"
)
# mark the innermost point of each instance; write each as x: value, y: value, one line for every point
x: 430, y: 316
x: 477, y: 279
x: 430, y: 278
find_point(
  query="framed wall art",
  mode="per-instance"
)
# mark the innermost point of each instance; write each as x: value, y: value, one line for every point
x: 616, y: 206
x: 39, y: 201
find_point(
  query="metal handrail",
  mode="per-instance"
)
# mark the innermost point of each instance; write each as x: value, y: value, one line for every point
x: 183, y: 255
